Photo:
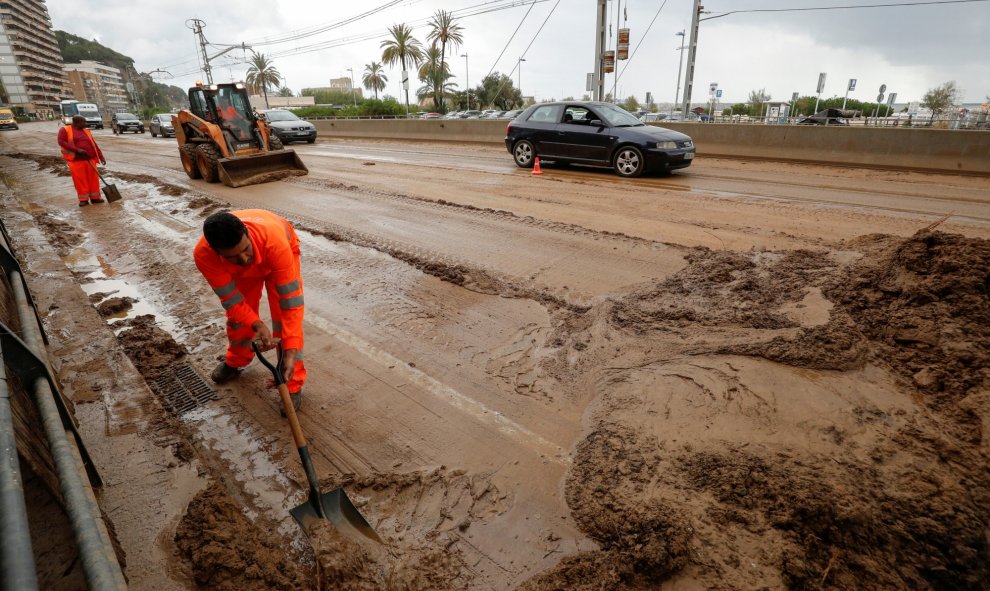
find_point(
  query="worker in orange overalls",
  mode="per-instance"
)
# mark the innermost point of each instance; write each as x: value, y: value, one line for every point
x: 239, y: 252
x: 79, y: 149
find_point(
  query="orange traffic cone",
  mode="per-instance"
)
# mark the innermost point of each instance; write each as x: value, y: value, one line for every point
x: 536, y: 166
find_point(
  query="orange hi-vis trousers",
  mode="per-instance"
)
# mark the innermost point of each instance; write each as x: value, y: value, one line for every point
x: 85, y: 179
x: 239, y: 336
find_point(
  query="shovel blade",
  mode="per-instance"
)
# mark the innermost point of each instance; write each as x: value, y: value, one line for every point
x: 339, y: 510
x: 111, y: 193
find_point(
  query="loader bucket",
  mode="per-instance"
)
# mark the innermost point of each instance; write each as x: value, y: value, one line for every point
x: 260, y: 168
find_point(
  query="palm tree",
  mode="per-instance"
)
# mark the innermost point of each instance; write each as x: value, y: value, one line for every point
x: 262, y: 74
x: 445, y: 31
x: 374, y: 78
x: 402, y: 49
x: 435, y: 74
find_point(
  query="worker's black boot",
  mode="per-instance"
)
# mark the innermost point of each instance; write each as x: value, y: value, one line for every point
x: 224, y: 373
x: 296, y: 402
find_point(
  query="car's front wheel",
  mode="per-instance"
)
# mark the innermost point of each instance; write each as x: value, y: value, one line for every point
x: 523, y: 153
x: 628, y: 162
x: 153, y: 134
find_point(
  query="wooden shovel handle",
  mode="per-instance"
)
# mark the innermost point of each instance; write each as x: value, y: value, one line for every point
x: 290, y: 413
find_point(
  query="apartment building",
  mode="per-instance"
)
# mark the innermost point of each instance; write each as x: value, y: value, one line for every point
x: 31, y: 77
x: 98, y: 83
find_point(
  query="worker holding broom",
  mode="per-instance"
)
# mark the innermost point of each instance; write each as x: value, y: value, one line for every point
x: 240, y: 252
x: 79, y: 149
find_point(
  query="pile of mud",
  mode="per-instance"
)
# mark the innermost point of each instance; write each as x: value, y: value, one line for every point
x: 424, y: 557
x: 163, y: 187
x: 53, y: 164
x: 696, y: 473
x: 152, y: 350
x: 62, y: 235
x: 228, y: 552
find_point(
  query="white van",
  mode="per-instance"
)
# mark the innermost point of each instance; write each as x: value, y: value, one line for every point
x: 92, y: 114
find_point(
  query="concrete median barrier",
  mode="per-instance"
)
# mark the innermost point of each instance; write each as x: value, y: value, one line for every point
x: 964, y: 151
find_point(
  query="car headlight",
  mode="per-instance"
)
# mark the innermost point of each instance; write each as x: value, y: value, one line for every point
x: 667, y: 145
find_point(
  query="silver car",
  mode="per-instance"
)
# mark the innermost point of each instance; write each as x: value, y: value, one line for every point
x: 161, y: 125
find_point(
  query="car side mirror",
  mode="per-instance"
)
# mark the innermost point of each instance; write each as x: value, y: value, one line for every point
x: 596, y: 123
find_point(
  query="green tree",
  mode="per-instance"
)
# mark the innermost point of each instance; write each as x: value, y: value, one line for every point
x: 445, y: 31
x: 940, y: 99
x: 374, y: 77
x: 285, y: 91
x: 496, y: 90
x: 402, y: 49
x: 756, y: 100
x: 631, y: 104
x: 262, y: 74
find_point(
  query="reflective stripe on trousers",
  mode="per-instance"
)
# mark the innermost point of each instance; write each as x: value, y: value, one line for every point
x: 239, y: 336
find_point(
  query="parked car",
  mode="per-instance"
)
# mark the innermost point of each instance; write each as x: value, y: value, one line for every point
x: 161, y: 125
x: 121, y: 122
x: 599, y: 134
x: 828, y: 117
x: 289, y: 128
x: 493, y: 114
x: 453, y: 115
x: 430, y: 115
x: 651, y: 117
x: 471, y: 114
x: 511, y: 114
x: 7, y: 119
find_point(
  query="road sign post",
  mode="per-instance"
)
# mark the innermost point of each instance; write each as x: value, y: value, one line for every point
x: 821, y: 87
x: 851, y: 87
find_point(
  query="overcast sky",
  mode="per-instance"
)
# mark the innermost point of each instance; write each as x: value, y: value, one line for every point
x: 911, y: 49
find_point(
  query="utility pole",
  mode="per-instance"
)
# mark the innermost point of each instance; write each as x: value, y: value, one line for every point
x: 467, y: 79
x: 692, y: 55
x: 680, y: 64
x: 598, y: 93
x: 197, y: 28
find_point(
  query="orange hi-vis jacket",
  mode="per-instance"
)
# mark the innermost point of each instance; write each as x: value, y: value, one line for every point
x: 69, y: 137
x: 276, y: 263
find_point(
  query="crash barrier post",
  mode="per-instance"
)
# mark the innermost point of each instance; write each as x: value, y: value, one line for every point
x: 27, y: 358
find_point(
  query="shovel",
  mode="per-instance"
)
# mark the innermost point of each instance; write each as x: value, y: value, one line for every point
x: 334, y: 506
x: 109, y: 190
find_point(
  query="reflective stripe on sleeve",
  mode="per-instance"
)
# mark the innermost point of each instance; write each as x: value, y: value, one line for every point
x: 287, y: 288
x: 226, y: 290
x: 289, y: 303
x: 233, y: 301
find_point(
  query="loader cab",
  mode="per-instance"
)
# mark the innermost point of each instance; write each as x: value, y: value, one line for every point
x: 227, y: 106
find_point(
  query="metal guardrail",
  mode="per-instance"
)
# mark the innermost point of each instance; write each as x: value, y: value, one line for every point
x: 23, y: 352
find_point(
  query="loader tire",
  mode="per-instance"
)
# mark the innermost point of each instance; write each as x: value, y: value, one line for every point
x: 274, y: 143
x: 207, y: 161
x: 187, y: 154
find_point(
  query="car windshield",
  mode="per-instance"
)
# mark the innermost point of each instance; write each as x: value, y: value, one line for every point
x: 165, y: 118
x: 281, y: 116
x: 617, y: 116
x: 125, y: 117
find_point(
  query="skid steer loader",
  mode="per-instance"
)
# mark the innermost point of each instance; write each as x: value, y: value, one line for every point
x: 220, y: 139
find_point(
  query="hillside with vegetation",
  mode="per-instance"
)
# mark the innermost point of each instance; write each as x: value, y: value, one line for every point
x: 151, y: 96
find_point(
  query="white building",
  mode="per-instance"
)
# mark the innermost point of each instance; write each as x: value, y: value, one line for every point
x: 110, y: 94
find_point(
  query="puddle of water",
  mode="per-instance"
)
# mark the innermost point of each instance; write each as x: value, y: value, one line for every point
x: 354, y: 156
x: 98, y: 278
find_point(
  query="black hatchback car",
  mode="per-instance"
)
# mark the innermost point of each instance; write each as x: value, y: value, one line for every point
x: 121, y: 122
x: 599, y: 134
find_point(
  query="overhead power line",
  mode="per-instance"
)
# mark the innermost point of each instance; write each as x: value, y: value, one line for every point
x: 842, y: 7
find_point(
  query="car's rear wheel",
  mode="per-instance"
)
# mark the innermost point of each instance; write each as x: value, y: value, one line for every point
x: 628, y: 162
x: 187, y: 154
x: 524, y: 153
x: 207, y: 161
x: 153, y: 134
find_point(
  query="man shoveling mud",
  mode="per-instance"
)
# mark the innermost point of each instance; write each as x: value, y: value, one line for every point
x: 80, y: 150
x: 239, y: 252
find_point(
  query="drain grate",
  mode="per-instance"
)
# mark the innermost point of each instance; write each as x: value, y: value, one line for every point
x: 182, y: 389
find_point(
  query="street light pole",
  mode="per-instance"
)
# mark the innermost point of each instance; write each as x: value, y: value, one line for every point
x: 467, y: 79
x: 353, y: 96
x: 680, y: 64
x: 521, y: 60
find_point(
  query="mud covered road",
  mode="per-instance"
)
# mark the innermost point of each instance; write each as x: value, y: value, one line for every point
x: 745, y: 375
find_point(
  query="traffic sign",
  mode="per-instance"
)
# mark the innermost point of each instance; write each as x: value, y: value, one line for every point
x: 718, y: 93
x: 712, y: 87
x: 891, y: 99
x: 880, y: 98
x: 883, y: 88
x: 821, y: 82
x: 794, y: 97
x: 852, y: 84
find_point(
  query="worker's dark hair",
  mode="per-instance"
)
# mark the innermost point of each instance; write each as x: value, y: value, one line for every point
x: 223, y: 230
x: 78, y: 119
